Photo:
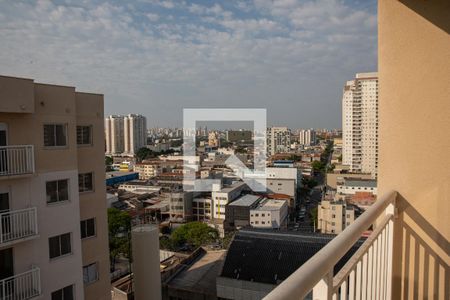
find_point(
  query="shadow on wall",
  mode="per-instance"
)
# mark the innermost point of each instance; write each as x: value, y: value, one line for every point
x: 425, y: 272
x: 439, y: 15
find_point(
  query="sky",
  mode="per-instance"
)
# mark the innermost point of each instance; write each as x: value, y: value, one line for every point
x: 156, y: 57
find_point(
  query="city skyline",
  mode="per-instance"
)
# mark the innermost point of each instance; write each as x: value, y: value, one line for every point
x: 162, y: 56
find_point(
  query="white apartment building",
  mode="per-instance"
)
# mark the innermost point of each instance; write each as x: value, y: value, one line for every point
x: 278, y: 140
x: 360, y: 124
x: 135, y: 133
x: 125, y: 134
x: 53, y: 223
x: 307, y: 137
x: 270, y: 213
x: 114, y: 135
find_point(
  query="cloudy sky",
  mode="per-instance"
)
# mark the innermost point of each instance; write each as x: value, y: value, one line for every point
x: 156, y: 57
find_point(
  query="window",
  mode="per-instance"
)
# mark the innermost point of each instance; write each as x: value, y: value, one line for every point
x: 63, y: 294
x: 90, y: 273
x: 59, y: 245
x: 87, y: 228
x: 55, y: 135
x: 85, y: 183
x: 57, y: 190
x: 84, y: 135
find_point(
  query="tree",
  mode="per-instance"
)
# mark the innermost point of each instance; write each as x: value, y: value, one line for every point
x: 318, y: 165
x: 108, y: 163
x: 144, y: 153
x: 313, y: 216
x: 195, y: 233
x: 119, y: 227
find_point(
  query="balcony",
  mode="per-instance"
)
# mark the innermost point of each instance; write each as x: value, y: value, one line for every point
x: 16, y: 160
x: 368, y: 274
x: 22, y: 286
x: 17, y: 226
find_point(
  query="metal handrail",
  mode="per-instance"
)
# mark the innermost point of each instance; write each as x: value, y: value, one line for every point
x: 303, y: 280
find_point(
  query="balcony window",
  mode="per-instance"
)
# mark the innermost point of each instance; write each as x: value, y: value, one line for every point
x: 87, y: 228
x: 63, y: 294
x: 84, y: 135
x: 85, y: 182
x: 59, y: 245
x: 55, y: 135
x: 57, y: 190
x: 90, y: 273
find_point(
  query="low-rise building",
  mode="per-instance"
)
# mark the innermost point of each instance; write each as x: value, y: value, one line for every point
x: 201, y: 209
x: 221, y: 197
x: 270, y: 213
x: 237, y: 213
x: 350, y: 186
x: 334, y: 216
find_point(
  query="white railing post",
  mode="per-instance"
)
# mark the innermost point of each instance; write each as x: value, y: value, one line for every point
x: 323, y: 290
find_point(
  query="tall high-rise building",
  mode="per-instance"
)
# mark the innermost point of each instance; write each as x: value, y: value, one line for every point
x: 307, y: 137
x: 53, y: 222
x: 278, y: 139
x: 125, y: 134
x: 135, y: 133
x: 360, y: 124
x: 114, y: 134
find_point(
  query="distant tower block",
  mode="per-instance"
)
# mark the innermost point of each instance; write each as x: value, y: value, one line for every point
x: 146, y: 271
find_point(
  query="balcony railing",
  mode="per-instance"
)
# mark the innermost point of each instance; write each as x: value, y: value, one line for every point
x: 366, y: 275
x: 16, y: 160
x: 17, y: 225
x: 22, y: 286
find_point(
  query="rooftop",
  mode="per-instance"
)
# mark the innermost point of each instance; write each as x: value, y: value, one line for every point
x: 360, y: 182
x: 246, y: 200
x: 281, y: 252
x: 270, y: 204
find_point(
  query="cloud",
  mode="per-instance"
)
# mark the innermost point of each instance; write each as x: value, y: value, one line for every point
x: 156, y: 57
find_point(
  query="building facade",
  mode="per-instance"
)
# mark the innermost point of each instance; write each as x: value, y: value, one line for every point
x: 307, y: 137
x: 125, y: 135
x: 334, y: 216
x: 54, y: 237
x: 360, y: 124
x: 278, y: 140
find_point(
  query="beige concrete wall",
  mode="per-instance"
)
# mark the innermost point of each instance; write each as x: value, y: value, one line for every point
x: 414, y: 111
x: 17, y: 95
x: 92, y: 204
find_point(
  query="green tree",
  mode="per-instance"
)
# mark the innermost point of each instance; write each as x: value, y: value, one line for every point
x: 318, y: 165
x: 195, y: 233
x: 119, y: 227
x: 108, y: 163
x: 144, y: 153
x: 313, y: 216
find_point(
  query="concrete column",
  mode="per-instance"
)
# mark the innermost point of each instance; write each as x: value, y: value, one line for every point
x: 146, y: 271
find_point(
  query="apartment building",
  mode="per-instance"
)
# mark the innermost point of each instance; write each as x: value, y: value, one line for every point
x: 114, y: 135
x: 125, y: 135
x: 360, y: 124
x: 307, y: 137
x: 278, y: 140
x: 53, y: 237
x: 334, y: 216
